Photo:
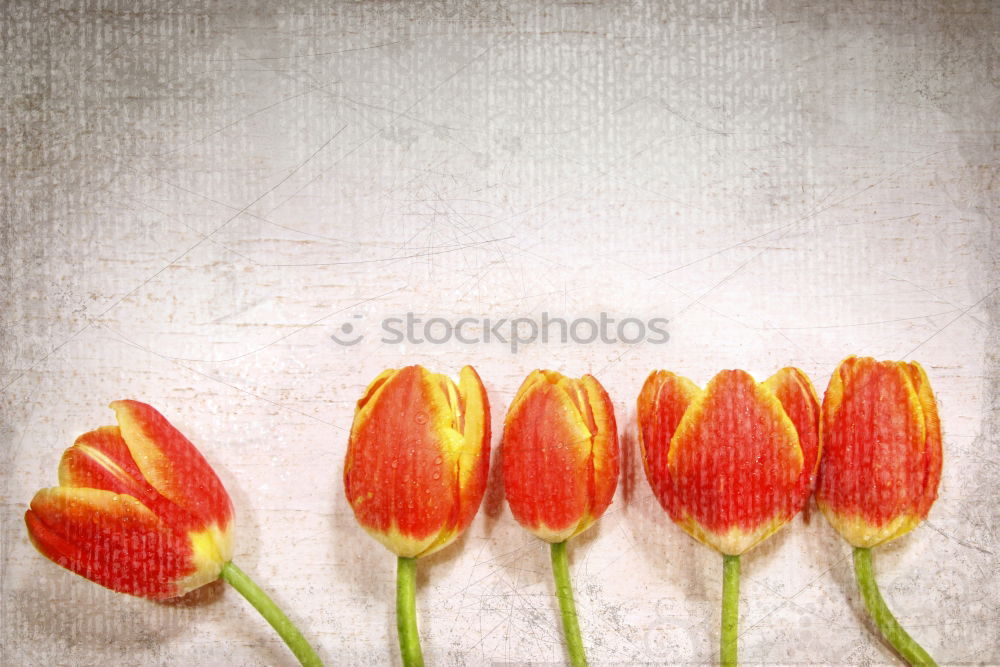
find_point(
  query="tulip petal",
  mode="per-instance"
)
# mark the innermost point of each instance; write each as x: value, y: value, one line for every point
x: 171, y: 464
x: 473, y: 460
x: 546, y: 459
x: 469, y: 465
x: 932, y: 447
x: 111, y: 539
x: 798, y: 397
x: 365, y: 404
x: 374, y: 386
x: 535, y: 377
x: 444, y: 409
x: 100, y: 459
x: 605, y: 455
x: 662, y: 403
x: 735, y: 461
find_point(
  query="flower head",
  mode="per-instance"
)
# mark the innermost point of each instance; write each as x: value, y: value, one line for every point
x: 418, y: 458
x: 881, y: 450
x: 731, y: 463
x: 137, y: 509
x: 560, y: 454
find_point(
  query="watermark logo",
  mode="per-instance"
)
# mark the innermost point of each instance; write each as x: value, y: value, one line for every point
x: 514, y: 333
x: 347, y: 335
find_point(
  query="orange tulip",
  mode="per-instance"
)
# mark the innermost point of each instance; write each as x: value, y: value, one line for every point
x: 560, y: 454
x: 417, y: 462
x: 560, y: 470
x: 418, y: 458
x: 733, y: 463
x: 881, y: 450
x: 880, y: 470
x: 137, y: 509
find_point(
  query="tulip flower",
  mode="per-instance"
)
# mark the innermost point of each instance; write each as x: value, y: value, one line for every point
x: 731, y: 464
x: 881, y: 468
x: 560, y: 470
x: 138, y: 510
x: 415, y: 473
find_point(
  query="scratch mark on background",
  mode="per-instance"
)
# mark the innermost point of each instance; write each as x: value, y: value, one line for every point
x: 371, y: 136
x: 811, y: 214
x: 952, y: 321
x: 306, y: 55
x: 259, y: 349
x: 175, y: 260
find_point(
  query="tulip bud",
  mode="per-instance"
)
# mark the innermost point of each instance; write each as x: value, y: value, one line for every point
x: 733, y: 463
x: 560, y: 471
x: 137, y: 509
x: 880, y: 471
x: 418, y: 458
x: 881, y: 450
x: 560, y: 454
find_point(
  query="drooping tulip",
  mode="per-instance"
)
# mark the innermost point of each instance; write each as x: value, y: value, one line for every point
x: 416, y: 469
x: 881, y: 467
x: 560, y: 469
x: 139, y: 510
x: 732, y: 463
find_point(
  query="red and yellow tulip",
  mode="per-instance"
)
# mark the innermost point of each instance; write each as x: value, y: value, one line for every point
x: 417, y: 462
x: 560, y: 454
x: 560, y: 470
x: 418, y: 458
x: 880, y: 471
x: 137, y: 509
x: 734, y: 462
x: 731, y: 464
x: 881, y: 450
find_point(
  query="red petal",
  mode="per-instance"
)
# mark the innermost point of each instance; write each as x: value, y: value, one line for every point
x: 171, y: 464
x: 100, y: 459
x: 605, y: 452
x: 932, y: 447
x: 662, y: 402
x: 110, y: 539
x: 797, y: 395
x: 473, y: 461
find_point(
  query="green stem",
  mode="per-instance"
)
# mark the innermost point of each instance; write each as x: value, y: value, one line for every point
x: 265, y: 605
x: 406, y: 612
x: 887, y: 624
x: 564, y: 591
x: 730, y: 609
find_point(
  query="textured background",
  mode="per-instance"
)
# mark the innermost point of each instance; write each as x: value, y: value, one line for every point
x: 197, y: 196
